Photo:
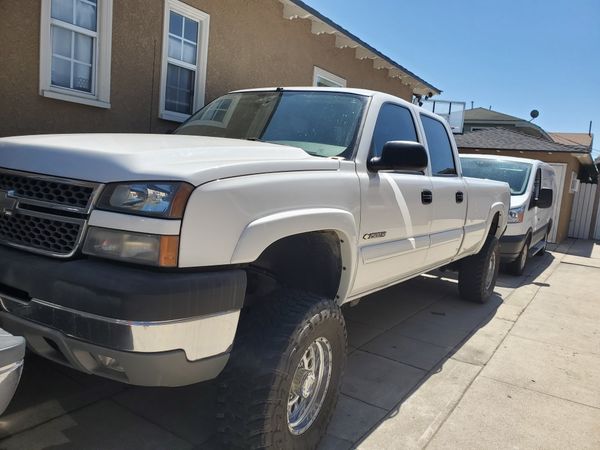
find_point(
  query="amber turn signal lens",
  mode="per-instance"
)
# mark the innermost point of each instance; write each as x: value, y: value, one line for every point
x: 169, y: 251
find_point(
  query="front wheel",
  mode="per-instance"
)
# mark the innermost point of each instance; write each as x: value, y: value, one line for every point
x: 477, y: 274
x: 517, y: 267
x: 282, y: 382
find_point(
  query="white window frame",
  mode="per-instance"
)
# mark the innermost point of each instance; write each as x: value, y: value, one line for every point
x: 203, y: 20
x: 218, y: 123
x: 319, y: 73
x: 100, y: 95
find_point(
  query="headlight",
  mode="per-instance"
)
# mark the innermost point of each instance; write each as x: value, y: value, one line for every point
x: 155, y: 199
x: 149, y: 249
x: 516, y: 215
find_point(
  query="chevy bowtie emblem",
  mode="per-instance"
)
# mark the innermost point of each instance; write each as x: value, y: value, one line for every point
x: 8, y: 203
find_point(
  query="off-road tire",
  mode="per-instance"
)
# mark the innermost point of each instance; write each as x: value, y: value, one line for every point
x: 473, y: 270
x: 517, y: 267
x: 273, y: 335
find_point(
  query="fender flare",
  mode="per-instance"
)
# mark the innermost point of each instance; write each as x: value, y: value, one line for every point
x: 259, y: 234
x: 500, y: 208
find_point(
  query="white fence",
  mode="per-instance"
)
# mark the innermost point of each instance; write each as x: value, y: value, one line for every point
x: 582, y: 212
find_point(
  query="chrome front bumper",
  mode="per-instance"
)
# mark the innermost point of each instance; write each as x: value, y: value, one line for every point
x: 12, y: 351
x: 166, y: 353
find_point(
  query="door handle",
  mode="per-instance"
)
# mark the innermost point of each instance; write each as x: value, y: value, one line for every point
x: 426, y: 197
x: 459, y: 197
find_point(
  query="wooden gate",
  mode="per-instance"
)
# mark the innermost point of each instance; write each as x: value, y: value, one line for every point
x: 582, y: 212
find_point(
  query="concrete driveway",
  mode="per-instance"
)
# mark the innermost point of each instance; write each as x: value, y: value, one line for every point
x: 425, y: 369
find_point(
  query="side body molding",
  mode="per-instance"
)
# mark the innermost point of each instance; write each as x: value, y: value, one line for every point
x: 261, y: 233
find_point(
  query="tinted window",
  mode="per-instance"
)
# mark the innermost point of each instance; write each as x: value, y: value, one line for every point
x: 395, y: 123
x: 440, y: 150
x: 537, y: 185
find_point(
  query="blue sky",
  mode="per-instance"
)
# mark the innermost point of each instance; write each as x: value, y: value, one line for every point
x: 512, y: 55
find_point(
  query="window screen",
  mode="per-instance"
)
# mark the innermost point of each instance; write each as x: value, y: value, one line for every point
x: 440, y: 149
x: 395, y: 123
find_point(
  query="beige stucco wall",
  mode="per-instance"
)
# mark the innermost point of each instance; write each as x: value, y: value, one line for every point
x: 573, y: 165
x: 250, y: 45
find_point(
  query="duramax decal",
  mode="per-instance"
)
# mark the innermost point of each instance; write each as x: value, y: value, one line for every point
x: 375, y: 235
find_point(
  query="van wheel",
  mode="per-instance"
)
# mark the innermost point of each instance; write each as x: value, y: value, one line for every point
x: 281, y: 385
x: 517, y: 266
x: 478, y: 273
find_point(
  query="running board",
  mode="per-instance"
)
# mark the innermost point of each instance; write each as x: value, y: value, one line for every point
x: 536, y: 248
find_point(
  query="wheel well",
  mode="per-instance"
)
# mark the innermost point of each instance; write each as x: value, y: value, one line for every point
x: 493, y: 231
x: 308, y: 261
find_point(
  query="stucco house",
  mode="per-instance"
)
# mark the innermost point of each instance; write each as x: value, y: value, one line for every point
x: 146, y: 65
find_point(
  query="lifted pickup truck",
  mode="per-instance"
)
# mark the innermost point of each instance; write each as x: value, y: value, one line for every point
x: 227, y: 248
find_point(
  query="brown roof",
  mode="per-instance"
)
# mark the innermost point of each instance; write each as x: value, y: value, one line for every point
x: 576, y: 139
x: 503, y: 139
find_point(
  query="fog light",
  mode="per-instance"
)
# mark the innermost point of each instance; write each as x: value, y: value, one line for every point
x: 109, y: 362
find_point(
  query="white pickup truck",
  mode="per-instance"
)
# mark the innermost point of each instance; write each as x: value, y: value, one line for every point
x: 227, y: 248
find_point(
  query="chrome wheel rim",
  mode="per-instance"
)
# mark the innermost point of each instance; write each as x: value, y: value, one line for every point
x: 489, y: 276
x: 310, y: 383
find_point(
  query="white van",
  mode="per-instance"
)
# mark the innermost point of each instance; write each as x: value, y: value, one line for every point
x: 532, y: 187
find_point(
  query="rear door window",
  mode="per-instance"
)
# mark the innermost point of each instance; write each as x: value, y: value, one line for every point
x: 440, y: 149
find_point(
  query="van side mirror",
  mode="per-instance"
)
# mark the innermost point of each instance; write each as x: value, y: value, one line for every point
x: 400, y: 155
x: 545, y: 199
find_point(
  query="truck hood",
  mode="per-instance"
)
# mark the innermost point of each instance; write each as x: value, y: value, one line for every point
x: 108, y: 158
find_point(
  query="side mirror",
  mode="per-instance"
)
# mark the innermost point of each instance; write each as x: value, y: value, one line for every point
x: 545, y: 199
x: 400, y: 155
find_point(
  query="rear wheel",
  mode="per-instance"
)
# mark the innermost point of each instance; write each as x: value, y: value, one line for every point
x: 478, y: 273
x: 517, y: 266
x: 281, y: 385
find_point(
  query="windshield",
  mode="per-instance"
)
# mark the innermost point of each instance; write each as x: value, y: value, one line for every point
x: 320, y: 123
x: 515, y: 173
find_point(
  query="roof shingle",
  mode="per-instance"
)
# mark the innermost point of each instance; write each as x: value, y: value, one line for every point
x: 503, y: 139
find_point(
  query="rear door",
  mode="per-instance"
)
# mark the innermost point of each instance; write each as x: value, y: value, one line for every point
x: 449, y: 194
x: 395, y: 214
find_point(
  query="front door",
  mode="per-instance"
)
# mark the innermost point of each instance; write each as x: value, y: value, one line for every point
x: 395, y: 213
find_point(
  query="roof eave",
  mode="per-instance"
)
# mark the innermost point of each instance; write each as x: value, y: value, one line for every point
x: 321, y: 24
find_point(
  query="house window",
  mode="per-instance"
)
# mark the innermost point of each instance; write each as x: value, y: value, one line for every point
x: 75, y: 51
x: 322, y: 78
x: 185, y: 46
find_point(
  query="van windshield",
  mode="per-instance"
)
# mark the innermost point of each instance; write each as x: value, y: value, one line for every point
x: 321, y: 123
x: 515, y: 173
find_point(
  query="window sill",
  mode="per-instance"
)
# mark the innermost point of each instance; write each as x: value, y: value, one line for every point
x: 173, y: 116
x: 75, y: 99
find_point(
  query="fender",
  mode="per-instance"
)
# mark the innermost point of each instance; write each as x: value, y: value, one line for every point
x: 261, y: 233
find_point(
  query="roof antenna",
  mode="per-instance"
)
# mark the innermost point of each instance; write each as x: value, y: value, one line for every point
x: 534, y: 114
x: 590, y: 130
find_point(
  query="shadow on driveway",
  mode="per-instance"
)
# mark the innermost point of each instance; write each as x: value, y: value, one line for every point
x: 397, y: 339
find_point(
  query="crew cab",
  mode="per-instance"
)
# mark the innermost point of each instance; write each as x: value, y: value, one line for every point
x: 227, y: 248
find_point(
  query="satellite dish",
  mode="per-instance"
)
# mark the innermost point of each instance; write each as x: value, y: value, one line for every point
x: 534, y: 113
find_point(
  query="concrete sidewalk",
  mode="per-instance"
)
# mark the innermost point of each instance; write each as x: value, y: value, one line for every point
x: 425, y: 370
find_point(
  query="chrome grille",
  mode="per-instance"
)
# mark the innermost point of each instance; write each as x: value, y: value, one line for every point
x: 47, y: 190
x: 44, y: 214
